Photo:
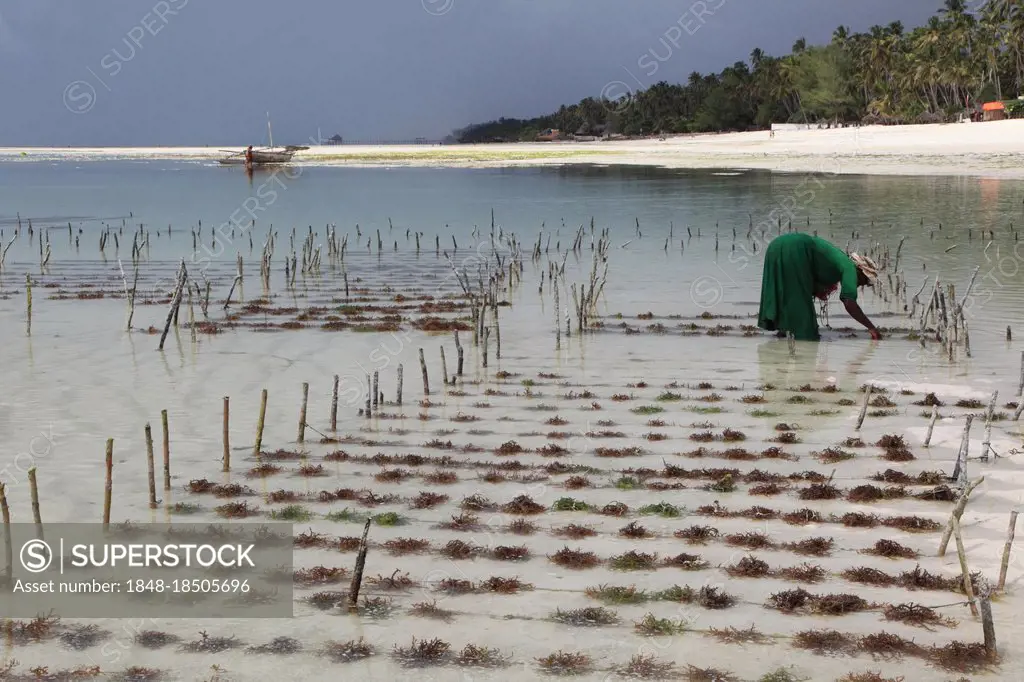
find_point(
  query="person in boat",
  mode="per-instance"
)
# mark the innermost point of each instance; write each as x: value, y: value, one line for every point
x: 799, y: 268
x: 248, y: 157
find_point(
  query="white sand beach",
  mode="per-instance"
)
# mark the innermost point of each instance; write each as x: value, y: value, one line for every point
x: 979, y: 149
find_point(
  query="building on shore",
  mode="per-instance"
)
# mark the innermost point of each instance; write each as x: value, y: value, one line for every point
x: 993, y: 111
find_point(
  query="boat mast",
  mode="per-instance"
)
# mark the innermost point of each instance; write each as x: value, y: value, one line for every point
x: 270, y: 132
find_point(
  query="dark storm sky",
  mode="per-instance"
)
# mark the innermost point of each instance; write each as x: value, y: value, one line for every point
x: 195, y: 72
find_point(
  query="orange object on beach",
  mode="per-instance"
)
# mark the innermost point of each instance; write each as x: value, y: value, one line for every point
x: 992, y: 106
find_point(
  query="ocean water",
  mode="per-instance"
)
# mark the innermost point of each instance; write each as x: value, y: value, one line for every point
x: 682, y: 244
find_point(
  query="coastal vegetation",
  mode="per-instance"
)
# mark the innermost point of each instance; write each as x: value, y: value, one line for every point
x: 960, y: 58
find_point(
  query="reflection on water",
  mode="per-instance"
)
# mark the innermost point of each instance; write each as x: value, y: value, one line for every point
x: 683, y: 243
x: 669, y: 218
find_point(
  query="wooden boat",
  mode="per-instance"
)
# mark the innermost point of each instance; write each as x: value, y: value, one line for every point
x: 260, y: 157
x: 263, y: 156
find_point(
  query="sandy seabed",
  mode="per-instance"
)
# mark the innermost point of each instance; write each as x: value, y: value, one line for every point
x: 531, y: 496
x: 626, y: 510
x: 981, y: 149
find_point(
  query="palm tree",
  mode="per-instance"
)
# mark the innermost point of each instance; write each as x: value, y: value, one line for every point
x: 1011, y: 15
x: 953, y: 7
x: 756, y: 56
x: 992, y: 29
x: 966, y: 51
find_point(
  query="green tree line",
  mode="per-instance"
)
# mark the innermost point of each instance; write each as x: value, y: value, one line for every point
x: 889, y: 75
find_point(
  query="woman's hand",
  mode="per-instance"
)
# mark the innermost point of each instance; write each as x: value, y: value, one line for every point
x: 856, y: 313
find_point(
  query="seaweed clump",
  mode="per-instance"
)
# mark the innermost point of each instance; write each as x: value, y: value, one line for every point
x: 825, y: 642
x: 917, y: 615
x: 523, y: 504
x: 574, y: 558
x: 474, y: 656
x: 422, y: 652
x: 892, y: 550
x: 697, y: 535
x: 895, y: 449
x: 565, y: 663
x: 749, y: 567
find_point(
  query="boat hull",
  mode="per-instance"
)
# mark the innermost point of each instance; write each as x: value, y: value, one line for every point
x: 259, y: 158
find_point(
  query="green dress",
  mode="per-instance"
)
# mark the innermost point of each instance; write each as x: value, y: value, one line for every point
x: 796, y: 267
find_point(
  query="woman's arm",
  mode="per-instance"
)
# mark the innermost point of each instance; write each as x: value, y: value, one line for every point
x: 853, y: 308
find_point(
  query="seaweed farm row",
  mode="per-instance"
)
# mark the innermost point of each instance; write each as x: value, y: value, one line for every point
x: 601, y: 529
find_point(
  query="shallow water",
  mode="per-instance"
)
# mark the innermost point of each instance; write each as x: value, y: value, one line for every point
x: 79, y: 379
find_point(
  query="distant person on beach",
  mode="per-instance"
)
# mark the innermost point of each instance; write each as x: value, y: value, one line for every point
x: 248, y: 157
x: 799, y: 268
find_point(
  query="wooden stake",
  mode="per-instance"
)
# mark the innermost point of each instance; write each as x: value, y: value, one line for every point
x: 958, y: 511
x: 234, y: 283
x: 423, y: 370
x: 1020, y: 384
x: 175, y: 302
x: 1010, y: 532
x: 369, y: 398
x: 34, y: 491
x: 151, y: 467
x: 357, y: 576
x: 444, y: 368
x: 487, y: 335
x: 108, y: 489
x: 130, y: 295
x: 334, y: 405
x: 962, y: 554
x: 5, y: 511
x: 376, y: 390
x: 302, y: 413
x: 483, y: 314
x: 475, y: 315
x: 226, y: 434
x: 864, y: 407
x: 558, y: 321
x: 931, y: 425
x: 259, y: 425
x: 458, y: 350
x: 398, y: 396
x: 988, y: 628
x: 960, y: 471
x: 986, y: 445
x: 497, y: 327
x: 167, y: 450
x: 28, y: 302
x: 191, y: 315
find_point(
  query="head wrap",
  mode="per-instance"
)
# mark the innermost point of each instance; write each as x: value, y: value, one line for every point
x: 865, y: 265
